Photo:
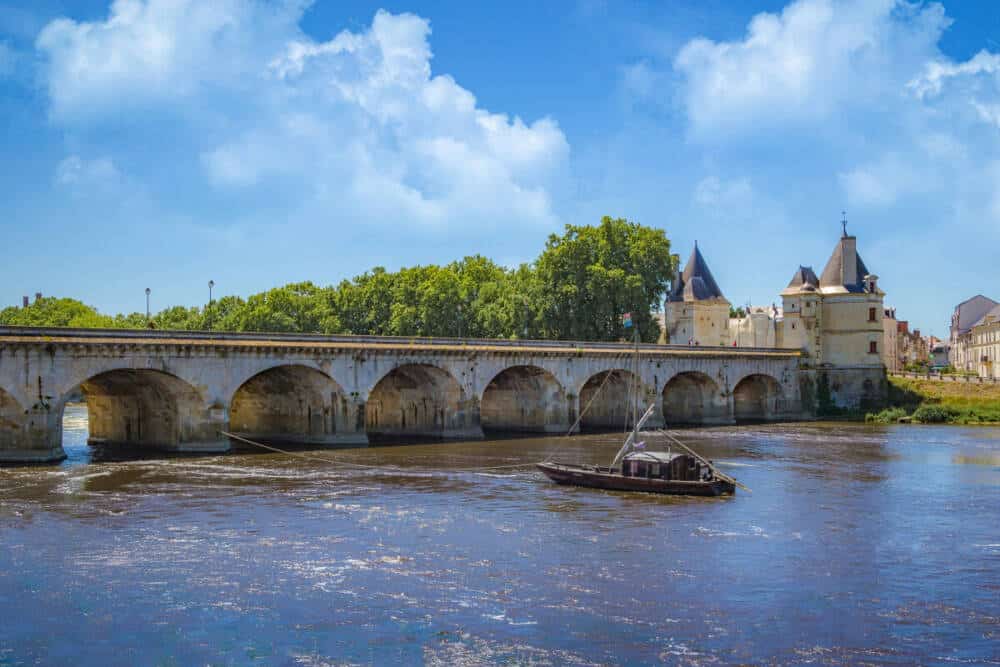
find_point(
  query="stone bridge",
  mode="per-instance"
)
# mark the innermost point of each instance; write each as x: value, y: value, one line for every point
x: 177, y: 390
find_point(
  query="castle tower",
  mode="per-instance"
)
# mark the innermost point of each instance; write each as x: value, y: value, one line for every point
x: 837, y: 319
x: 695, y: 311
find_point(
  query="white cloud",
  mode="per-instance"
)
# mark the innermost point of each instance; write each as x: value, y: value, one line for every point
x: 159, y: 52
x: 805, y: 65
x: 358, y: 124
x: 852, y: 96
x: 939, y: 72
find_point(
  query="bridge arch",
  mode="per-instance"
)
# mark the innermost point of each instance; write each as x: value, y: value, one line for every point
x: 291, y: 404
x: 608, y: 395
x: 11, y: 421
x: 144, y: 407
x: 421, y: 401
x: 757, y: 397
x: 524, y: 398
x: 691, y: 397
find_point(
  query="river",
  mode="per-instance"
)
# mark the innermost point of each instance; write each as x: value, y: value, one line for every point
x: 859, y: 544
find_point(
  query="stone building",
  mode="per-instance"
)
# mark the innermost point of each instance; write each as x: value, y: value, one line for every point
x: 913, y: 348
x: 760, y: 327
x: 966, y: 315
x: 837, y: 319
x: 890, y: 341
x: 695, y: 311
x: 983, y: 344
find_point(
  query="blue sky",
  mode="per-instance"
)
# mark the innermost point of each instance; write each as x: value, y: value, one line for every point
x: 164, y: 143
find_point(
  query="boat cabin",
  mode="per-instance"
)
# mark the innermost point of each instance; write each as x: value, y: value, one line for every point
x: 664, y: 465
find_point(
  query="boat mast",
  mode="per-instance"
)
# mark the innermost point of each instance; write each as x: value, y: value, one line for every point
x: 633, y: 405
x: 636, y: 386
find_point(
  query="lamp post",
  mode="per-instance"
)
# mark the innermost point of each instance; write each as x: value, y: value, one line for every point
x: 147, y: 303
x: 526, y: 317
x: 211, y: 284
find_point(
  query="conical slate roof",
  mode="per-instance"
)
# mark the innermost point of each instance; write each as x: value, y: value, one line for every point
x: 804, y: 280
x: 845, y: 267
x: 696, y: 282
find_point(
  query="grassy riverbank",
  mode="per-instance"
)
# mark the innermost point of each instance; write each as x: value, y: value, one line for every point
x: 934, y: 402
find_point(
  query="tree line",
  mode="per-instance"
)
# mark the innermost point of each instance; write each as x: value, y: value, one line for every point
x: 577, y: 288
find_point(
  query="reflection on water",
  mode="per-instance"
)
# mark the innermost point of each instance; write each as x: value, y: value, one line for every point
x: 858, y: 545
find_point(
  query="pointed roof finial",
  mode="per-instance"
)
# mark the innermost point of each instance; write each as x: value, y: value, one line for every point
x: 696, y: 243
x: 843, y: 222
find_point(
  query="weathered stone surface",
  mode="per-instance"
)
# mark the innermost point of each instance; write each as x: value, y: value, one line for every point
x: 175, y: 391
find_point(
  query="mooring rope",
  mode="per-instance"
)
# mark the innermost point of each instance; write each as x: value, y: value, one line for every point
x: 322, y: 459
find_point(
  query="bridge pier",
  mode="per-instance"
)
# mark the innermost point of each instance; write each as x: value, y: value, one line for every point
x: 30, y: 436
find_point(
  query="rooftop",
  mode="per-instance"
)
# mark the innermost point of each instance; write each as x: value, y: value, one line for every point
x: 696, y: 283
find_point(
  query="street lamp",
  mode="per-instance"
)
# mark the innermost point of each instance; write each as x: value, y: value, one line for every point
x: 147, y: 303
x: 211, y: 284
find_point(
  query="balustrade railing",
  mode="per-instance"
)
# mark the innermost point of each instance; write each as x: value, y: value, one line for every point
x: 278, y: 338
x: 947, y: 377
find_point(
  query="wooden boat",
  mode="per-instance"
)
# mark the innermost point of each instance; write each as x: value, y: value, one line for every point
x: 650, y: 472
x: 635, y: 469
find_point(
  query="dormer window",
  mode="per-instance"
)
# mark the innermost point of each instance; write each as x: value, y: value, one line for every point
x: 871, y: 283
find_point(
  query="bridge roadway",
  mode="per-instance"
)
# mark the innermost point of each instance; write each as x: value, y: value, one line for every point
x: 176, y: 391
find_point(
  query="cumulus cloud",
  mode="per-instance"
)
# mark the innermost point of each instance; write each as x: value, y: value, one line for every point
x: 854, y: 96
x: 805, y: 65
x: 156, y: 52
x: 359, y: 122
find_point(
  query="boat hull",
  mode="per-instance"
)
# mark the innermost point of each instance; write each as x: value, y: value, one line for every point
x: 596, y: 478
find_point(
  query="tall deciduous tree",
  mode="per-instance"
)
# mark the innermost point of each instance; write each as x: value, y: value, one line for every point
x: 594, y: 274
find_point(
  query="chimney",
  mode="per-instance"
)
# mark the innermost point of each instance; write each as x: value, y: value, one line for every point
x: 24, y: 301
x: 849, y: 259
x: 38, y: 297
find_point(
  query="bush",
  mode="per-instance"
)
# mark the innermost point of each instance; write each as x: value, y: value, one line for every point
x: 934, y: 414
x: 887, y: 416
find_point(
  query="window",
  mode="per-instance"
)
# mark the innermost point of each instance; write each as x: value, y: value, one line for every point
x: 871, y: 314
x: 872, y: 347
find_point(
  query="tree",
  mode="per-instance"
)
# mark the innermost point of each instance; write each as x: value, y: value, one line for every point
x: 55, y: 312
x: 594, y: 274
x: 297, y: 307
x: 365, y: 303
x: 578, y: 288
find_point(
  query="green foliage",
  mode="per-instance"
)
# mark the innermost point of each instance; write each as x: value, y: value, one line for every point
x: 936, y: 402
x: 594, y: 274
x: 824, y: 399
x: 53, y: 312
x: 919, y: 366
x: 577, y: 289
x: 934, y: 414
x: 737, y: 312
x: 887, y: 416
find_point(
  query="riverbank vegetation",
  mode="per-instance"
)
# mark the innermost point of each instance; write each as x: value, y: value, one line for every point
x: 936, y: 402
x: 577, y: 288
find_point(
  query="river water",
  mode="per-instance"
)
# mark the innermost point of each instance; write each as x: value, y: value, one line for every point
x: 859, y: 545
